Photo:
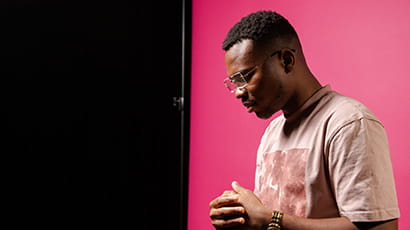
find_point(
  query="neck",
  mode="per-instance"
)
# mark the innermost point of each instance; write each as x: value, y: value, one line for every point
x: 304, y: 90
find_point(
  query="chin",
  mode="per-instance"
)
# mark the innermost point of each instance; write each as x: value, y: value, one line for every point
x: 266, y: 114
x: 263, y: 115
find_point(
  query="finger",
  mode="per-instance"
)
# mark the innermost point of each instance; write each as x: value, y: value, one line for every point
x: 229, y: 223
x: 224, y: 201
x: 226, y: 212
x: 237, y: 188
x: 228, y: 193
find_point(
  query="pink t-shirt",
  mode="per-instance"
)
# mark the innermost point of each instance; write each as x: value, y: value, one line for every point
x: 329, y: 159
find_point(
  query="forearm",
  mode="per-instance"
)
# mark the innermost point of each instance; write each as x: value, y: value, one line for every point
x: 242, y: 208
x: 293, y: 222
x: 340, y: 223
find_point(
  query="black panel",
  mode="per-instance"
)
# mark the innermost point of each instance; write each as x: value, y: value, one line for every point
x: 91, y: 128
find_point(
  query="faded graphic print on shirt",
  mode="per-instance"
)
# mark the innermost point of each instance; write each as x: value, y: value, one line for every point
x: 283, y: 188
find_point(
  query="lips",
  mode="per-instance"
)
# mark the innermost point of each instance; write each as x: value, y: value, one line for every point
x: 249, y: 105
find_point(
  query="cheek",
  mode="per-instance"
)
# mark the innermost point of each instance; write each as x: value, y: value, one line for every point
x: 267, y: 88
x: 257, y: 84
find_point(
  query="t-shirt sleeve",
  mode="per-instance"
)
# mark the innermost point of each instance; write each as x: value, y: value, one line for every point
x: 360, y: 172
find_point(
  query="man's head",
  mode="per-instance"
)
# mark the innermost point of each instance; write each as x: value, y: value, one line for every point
x: 261, y: 27
x: 264, y: 60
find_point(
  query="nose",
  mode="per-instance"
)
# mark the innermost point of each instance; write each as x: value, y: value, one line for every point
x: 240, y: 92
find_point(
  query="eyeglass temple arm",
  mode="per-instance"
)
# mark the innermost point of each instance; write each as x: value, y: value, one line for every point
x: 276, y: 52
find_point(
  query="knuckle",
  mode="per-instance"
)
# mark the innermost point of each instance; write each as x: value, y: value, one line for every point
x: 211, y: 214
x: 248, y: 192
x: 211, y: 204
x: 214, y: 213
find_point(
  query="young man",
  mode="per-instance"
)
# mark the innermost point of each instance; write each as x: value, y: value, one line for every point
x: 324, y: 163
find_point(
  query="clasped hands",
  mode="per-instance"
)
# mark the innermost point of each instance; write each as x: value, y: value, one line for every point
x: 239, y: 208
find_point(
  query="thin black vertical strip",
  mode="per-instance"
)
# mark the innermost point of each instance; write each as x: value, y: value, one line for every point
x: 185, y: 108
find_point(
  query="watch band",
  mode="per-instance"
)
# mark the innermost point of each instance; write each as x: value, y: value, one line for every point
x: 276, y: 221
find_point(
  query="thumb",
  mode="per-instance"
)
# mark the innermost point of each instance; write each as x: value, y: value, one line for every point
x: 237, y: 188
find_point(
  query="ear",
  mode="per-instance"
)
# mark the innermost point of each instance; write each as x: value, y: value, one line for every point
x: 288, y: 60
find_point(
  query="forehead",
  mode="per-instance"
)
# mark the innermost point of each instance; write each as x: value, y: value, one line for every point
x: 241, y: 56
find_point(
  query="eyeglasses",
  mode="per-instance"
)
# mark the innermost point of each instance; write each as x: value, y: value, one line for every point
x: 239, y: 80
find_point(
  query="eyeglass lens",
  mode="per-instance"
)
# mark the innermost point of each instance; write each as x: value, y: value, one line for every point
x: 235, y: 81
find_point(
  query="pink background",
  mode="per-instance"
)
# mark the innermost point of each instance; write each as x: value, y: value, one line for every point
x: 360, y: 48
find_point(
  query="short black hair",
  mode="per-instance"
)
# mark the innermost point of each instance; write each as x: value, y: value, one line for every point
x: 259, y: 26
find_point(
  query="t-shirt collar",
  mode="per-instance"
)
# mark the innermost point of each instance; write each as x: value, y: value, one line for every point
x: 309, y: 102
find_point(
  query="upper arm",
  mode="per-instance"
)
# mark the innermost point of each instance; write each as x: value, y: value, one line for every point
x: 361, y: 173
x: 380, y: 225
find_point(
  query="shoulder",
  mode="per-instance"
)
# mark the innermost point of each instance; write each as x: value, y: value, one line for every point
x: 349, y: 120
x: 342, y: 110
